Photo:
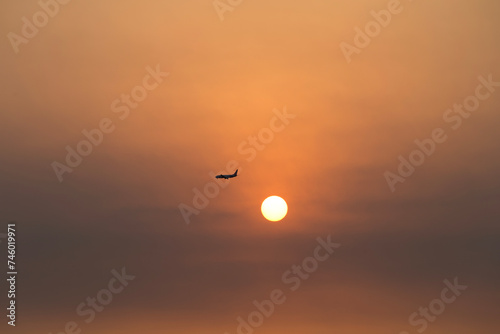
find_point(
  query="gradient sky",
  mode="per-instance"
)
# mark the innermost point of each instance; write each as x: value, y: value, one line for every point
x: 120, y: 206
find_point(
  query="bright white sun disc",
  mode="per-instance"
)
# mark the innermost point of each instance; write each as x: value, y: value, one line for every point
x: 274, y: 208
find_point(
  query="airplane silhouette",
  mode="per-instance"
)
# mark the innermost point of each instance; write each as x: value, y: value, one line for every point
x: 227, y: 176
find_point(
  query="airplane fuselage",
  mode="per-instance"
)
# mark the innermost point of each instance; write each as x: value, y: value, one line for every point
x: 221, y: 176
x: 227, y: 176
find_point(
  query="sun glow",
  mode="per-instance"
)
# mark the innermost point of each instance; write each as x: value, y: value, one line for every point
x: 274, y: 208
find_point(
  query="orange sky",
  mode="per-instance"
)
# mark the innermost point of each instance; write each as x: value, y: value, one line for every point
x: 227, y: 80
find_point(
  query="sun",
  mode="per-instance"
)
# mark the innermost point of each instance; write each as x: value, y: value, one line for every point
x: 274, y: 208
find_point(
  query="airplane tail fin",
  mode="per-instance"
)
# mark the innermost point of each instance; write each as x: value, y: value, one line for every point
x: 235, y: 173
